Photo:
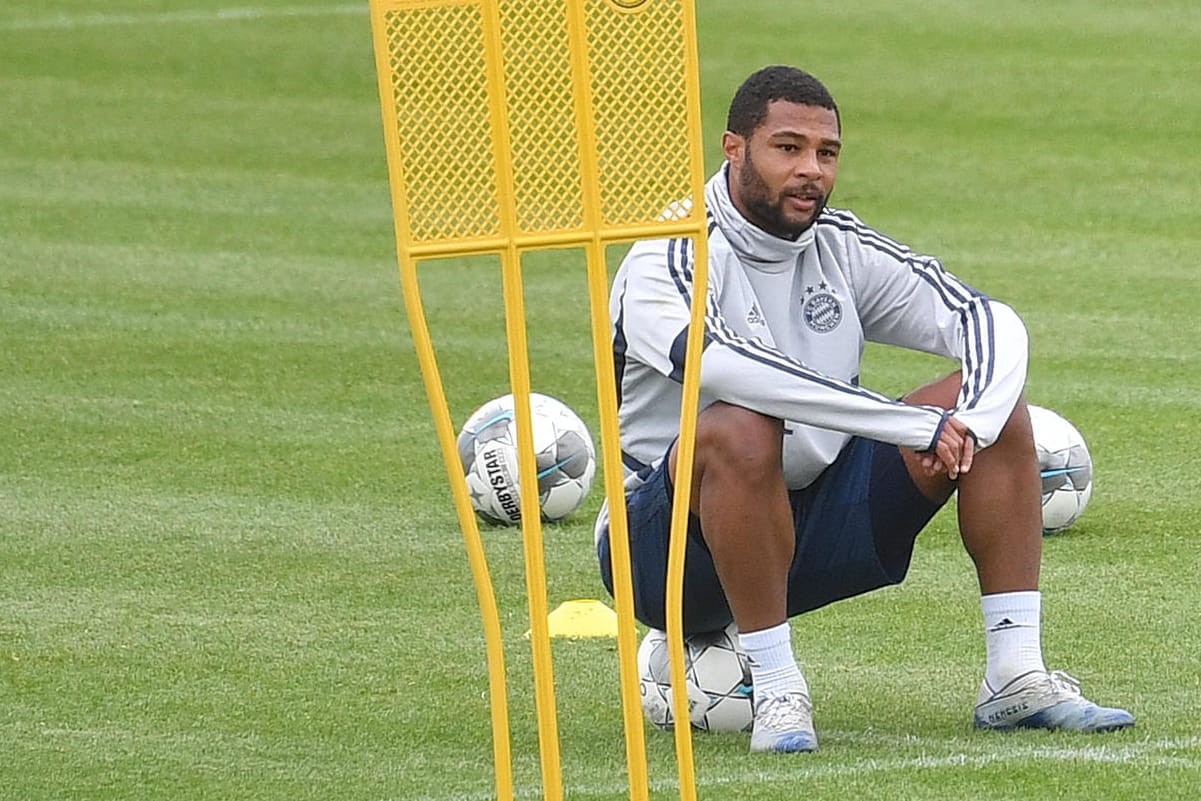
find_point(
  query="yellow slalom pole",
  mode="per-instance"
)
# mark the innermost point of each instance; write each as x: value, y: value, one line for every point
x: 598, y: 295
x: 485, y: 593
x: 519, y: 380
x: 690, y: 400
x: 468, y: 523
x: 681, y: 501
x: 619, y: 535
x: 531, y: 529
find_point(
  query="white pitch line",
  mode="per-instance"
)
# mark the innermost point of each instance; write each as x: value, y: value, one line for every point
x: 1143, y: 752
x: 70, y: 21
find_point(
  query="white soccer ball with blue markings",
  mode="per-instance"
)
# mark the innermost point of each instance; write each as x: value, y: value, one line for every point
x: 1066, y: 468
x: 720, y: 693
x: 563, y: 448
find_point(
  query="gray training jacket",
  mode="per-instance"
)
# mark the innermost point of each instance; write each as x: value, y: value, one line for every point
x: 785, y: 328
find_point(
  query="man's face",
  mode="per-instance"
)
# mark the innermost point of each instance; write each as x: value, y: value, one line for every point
x: 783, y: 173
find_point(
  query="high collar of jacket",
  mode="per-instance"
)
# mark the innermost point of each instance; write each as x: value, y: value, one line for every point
x: 754, y: 246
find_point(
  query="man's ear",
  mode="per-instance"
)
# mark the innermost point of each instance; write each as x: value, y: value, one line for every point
x: 734, y: 146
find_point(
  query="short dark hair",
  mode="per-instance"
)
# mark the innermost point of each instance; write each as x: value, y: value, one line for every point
x: 749, y: 106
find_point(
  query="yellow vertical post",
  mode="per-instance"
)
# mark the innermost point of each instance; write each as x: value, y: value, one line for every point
x: 516, y: 125
x: 682, y: 498
x: 627, y: 635
x: 519, y: 379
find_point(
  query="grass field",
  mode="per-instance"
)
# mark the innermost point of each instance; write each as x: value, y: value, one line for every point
x: 229, y: 563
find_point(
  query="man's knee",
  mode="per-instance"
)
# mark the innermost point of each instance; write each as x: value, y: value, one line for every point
x: 943, y: 393
x: 734, y: 446
x: 736, y: 436
x: 1018, y: 429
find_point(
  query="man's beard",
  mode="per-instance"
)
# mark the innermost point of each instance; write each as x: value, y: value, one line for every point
x: 767, y: 212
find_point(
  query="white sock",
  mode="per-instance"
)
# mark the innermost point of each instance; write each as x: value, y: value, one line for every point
x: 774, y: 669
x: 1012, y: 635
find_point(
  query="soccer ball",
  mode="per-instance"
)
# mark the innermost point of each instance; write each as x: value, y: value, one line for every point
x: 564, y: 450
x: 720, y: 694
x: 1066, y: 468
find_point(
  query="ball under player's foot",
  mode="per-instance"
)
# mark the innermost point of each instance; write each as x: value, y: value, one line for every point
x: 783, y: 724
x: 1045, y: 700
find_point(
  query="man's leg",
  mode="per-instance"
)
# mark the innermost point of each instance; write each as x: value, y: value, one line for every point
x: 1000, y: 522
x: 738, y: 493
x: 1000, y: 515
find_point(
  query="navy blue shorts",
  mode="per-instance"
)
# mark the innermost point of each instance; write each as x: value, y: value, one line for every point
x: 855, y: 528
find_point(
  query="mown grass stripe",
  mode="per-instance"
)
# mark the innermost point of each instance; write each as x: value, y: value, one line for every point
x: 245, y: 13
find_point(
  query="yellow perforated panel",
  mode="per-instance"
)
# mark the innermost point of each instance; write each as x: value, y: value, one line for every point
x: 548, y: 193
x: 641, y: 104
x: 440, y: 87
x: 543, y: 144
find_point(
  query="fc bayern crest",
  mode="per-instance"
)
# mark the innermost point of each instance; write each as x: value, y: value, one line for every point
x: 822, y: 311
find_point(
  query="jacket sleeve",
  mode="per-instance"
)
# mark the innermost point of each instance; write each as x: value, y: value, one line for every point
x: 910, y: 300
x: 655, y: 294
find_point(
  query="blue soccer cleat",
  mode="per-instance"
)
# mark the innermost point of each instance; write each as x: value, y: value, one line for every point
x: 784, y: 725
x: 1045, y: 700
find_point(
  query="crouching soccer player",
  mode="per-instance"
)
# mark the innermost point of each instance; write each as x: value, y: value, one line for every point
x: 807, y: 487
